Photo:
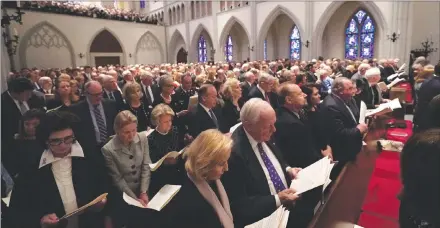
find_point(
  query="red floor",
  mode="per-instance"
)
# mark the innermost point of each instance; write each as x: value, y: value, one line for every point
x: 381, y: 205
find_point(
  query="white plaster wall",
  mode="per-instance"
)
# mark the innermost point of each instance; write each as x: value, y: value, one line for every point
x: 80, y: 32
x: 265, y: 9
x: 207, y: 24
x: 319, y: 8
x: 283, y: 30
x: 426, y: 24
x: 172, y: 29
x: 242, y: 14
x: 155, y: 5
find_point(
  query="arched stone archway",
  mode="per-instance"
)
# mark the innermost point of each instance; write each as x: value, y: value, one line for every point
x: 193, y: 53
x: 106, y: 48
x: 371, y: 7
x: 45, y: 46
x: 182, y: 56
x: 240, y: 39
x: 149, y: 50
x: 281, y: 41
x: 177, y: 42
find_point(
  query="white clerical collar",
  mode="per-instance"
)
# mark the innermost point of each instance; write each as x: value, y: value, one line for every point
x: 48, y: 158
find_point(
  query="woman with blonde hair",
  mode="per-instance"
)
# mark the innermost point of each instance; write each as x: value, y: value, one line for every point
x: 74, y: 91
x: 202, y: 200
x: 231, y: 109
x: 133, y: 94
x: 127, y: 157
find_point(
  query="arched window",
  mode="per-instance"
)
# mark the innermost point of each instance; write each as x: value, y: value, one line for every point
x: 203, y: 57
x: 265, y: 49
x: 228, y: 48
x: 359, y: 36
x: 295, y: 44
x: 142, y: 4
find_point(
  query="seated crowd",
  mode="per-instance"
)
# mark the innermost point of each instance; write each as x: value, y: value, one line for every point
x: 69, y: 135
x: 76, y: 8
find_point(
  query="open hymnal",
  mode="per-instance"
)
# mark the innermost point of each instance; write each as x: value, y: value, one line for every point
x: 398, y: 74
x: 83, y: 208
x: 234, y: 127
x: 391, y: 145
x: 384, y: 108
x: 314, y: 175
x: 172, y: 154
x: 159, y: 201
x: 394, y: 82
x: 363, y: 112
x: 277, y: 219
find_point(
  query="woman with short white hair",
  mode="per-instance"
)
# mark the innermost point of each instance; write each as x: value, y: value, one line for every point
x: 231, y: 109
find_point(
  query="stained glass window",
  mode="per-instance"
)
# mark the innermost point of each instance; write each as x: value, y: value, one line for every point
x: 265, y: 49
x: 228, y: 49
x: 142, y: 4
x: 359, y: 36
x: 203, y: 57
x: 295, y: 44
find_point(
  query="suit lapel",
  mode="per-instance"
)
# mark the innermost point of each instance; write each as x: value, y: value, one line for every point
x: 52, y: 192
x: 344, y: 109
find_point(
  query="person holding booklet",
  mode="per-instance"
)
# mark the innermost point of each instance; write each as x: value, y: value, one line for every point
x: 202, y: 200
x: 164, y: 139
x: 127, y: 157
x: 63, y: 181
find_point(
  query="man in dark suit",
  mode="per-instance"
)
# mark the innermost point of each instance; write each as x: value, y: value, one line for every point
x: 429, y: 89
x: 249, y: 80
x: 258, y: 179
x: 293, y: 135
x: 263, y: 90
x: 111, y: 92
x: 149, y: 91
x: 341, y: 123
x: 370, y: 93
x: 18, y: 99
x: 205, y: 116
x: 97, y: 117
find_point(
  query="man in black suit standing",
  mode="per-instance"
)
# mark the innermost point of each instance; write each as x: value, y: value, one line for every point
x: 258, y: 179
x: 149, y: 92
x: 111, y: 92
x: 97, y: 116
x: 183, y: 93
x: 429, y: 89
x: 263, y: 90
x: 205, y: 116
x: 249, y: 80
x: 341, y: 123
x: 18, y: 99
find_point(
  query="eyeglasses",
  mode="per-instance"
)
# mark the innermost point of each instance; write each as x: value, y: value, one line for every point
x: 57, y: 141
x: 168, y: 85
x: 95, y: 94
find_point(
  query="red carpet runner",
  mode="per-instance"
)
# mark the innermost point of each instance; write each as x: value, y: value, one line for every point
x: 381, y: 205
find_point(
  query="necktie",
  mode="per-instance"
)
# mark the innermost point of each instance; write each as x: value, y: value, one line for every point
x: 23, y: 107
x: 213, y: 117
x: 266, y: 97
x: 101, y: 124
x: 302, y: 115
x: 8, y: 180
x: 276, y: 179
x: 110, y: 95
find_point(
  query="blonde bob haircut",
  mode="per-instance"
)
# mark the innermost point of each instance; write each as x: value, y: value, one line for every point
x: 228, y: 90
x: 123, y: 119
x: 130, y: 89
x: 160, y: 110
x: 210, y: 148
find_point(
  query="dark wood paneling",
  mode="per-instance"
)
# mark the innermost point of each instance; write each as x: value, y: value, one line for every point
x: 105, y: 42
x: 107, y: 60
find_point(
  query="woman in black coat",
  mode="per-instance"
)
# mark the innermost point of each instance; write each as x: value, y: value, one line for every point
x: 231, y: 110
x: 63, y: 97
x: 64, y: 181
x: 202, y: 200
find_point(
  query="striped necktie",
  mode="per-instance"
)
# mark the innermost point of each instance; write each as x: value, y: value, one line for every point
x: 101, y: 124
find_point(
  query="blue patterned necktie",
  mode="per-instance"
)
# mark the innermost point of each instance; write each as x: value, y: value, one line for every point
x: 276, y: 179
x: 101, y: 124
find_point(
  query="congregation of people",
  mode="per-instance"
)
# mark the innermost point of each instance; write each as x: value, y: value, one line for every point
x: 69, y: 135
x: 88, y: 10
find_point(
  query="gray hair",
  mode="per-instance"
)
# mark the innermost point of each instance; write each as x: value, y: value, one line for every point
x: 44, y: 79
x: 106, y: 78
x: 159, y: 110
x: 163, y: 79
x: 372, y: 72
x: 364, y: 66
x: 250, y: 112
x: 338, y: 84
x: 145, y: 74
x: 89, y: 83
x: 125, y: 73
x: 264, y: 77
x: 248, y: 74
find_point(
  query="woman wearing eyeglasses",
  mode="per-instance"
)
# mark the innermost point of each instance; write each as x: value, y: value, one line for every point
x: 64, y: 181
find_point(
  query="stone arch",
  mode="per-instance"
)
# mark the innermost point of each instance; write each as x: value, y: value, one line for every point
x: 44, y: 26
x: 89, y: 55
x: 200, y: 30
x: 177, y: 42
x: 233, y: 21
x: 277, y: 11
x: 373, y: 10
x: 148, y: 44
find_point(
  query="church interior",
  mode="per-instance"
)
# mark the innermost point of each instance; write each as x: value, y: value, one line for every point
x: 196, y: 114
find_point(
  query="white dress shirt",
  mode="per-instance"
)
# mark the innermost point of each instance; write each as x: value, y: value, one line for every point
x: 149, y: 91
x: 17, y: 103
x: 275, y: 163
x: 62, y: 172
